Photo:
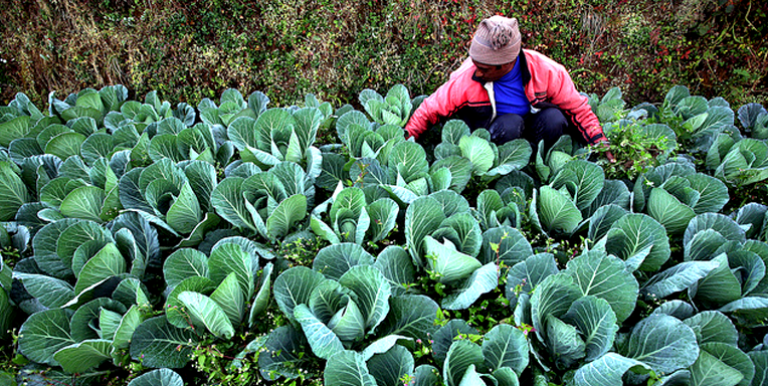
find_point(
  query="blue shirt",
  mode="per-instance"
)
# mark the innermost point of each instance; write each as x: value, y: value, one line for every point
x: 510, y: 93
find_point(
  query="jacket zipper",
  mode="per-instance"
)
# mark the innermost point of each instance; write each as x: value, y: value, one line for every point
x: 488, y: 86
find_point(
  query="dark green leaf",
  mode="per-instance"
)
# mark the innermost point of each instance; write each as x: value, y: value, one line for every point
x: 161, y: 377
x: 44, y: 333
x: 156, y: 343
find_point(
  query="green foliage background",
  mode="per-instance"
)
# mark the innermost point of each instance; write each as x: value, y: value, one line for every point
x: 188, y: 50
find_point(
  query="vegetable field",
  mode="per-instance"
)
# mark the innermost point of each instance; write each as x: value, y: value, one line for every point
x: 237, y: 243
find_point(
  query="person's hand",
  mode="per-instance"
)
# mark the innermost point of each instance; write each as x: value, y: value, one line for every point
x: 608, y: 154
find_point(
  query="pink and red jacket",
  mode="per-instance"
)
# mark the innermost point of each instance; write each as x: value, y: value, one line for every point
x: 547, y: 84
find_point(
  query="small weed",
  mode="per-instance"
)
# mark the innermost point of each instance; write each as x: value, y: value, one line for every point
x: 635, y: 151
x: 10, y: 360
x: 301, y: 252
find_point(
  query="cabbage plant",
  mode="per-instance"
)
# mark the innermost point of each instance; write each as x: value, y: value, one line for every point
x: 365, y: 139
x: 697, y: 120
x: 742, y: 163
x: 270, y: 204
x: 394, y: 109
x: 754, y: 118
x: 344, y: 302
x: 557, y: 208
x: 575, y: 311
x: 715, y: 237
x: 83, y: 291
x: 19, y: 118
x: 610, y: 107
x: 674, y: 193
x: 500, y: 359
x: 752, y: 217
x: 548, y: 163
x: 231, y: 106
x: 214, y: 292
x: 354, y: 220
x: 175, y: 199
x: 175, y: 141
x: 97, y: 104
x: 445, y: 240
x: 279, y: 135
x: 487, y: 159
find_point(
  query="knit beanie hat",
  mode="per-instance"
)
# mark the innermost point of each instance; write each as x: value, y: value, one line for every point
x: 496, y: 41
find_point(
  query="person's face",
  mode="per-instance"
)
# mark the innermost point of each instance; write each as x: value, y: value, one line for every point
x: 492, y: 73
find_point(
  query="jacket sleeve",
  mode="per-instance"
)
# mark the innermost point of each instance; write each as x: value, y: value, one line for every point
x: 562, y: 92
x: 443, y: 103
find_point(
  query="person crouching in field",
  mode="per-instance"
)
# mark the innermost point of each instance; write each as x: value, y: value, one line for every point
x: 513, y: 92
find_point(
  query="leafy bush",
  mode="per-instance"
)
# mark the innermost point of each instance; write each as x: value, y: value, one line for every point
x: 327, y: 49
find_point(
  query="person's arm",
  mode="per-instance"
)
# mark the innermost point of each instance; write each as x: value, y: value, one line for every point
x: 562, y: 92
x: 443, y: 103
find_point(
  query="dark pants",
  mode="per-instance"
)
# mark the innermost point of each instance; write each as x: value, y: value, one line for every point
x: 548, y: 124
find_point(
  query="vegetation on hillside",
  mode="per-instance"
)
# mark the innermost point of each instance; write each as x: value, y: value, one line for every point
x: 287, y: 48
